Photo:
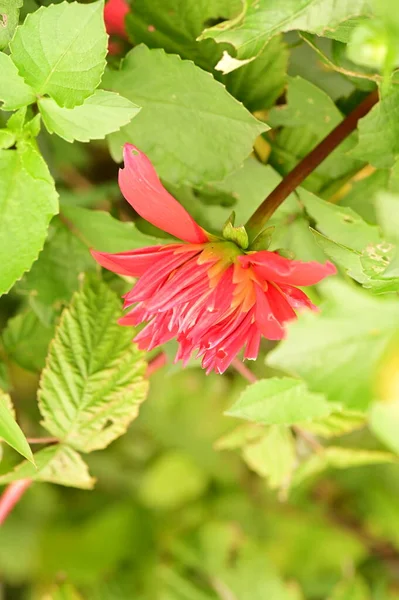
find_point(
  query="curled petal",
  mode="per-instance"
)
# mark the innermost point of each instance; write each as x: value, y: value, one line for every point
x: 297, y: 298
x: 142, y: 188
x: 273, y: 267
x: 266, y: 320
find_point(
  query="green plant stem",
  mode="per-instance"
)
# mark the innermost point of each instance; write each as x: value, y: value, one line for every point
x: 307, y: 165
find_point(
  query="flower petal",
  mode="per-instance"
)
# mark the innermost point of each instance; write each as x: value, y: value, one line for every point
x: 273, y: 267
x: 142, y: 188
x: 265, y: 319
x: 115, y: 12
x: 133, y: 263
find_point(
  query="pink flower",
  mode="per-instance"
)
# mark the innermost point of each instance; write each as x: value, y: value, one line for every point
x: 208, y: 293
x: 115, y: 12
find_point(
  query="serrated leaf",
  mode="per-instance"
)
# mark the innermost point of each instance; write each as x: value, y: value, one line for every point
x: 282, y: 401
x: 272, y: 456
x: 93, y: 383
x: 387, y: 208
x: 55, y: 275
x: 239, y: 437
x: 14, y: 92
x: 7, y: 139
x: 28, y: 200
x: 181, y: 131
x: 174, y: 26
x: 9, y: 14
x: 379, y: 132
x: 258, y: 84
x: 260, y: 21
x: 60, y: 51
x: 337, y: 457
x: 10, y: 431
x: 55, y: 464
x: 100, y: 114
x: 336, y: 424
x: 339, y: 223
x: 26, y: 340
x: 101, y: 231
x: 337, y: 351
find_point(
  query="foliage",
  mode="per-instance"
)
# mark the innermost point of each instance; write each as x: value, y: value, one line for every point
x: 216, y: 488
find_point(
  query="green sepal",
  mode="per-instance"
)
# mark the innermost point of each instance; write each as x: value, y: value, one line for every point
x: 238, y: 235
x: 263, y: 239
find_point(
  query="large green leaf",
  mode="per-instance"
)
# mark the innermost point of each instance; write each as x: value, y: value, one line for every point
x: 100, y: 114
x: 259, y: 84
x: 181, y: 130
x: 260, y: 21
x: 337, y: 351
x: 55, y: 464
x: 28, y: 200
x: 93, y: 383
x: 103, y: 232
x: 14, y: 92
x: 9, y: 14
x: 339, y: 223
x: 10, y: 431
x: 282, y: 401
x: 174, y: 25
x: 60, y: 50
x: 379, y: 132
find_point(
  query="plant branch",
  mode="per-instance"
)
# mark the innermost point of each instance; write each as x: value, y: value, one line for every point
x: 308, y: 164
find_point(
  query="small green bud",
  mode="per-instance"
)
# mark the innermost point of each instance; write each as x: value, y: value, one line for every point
x: 263, y: 240
x: 238, y: 235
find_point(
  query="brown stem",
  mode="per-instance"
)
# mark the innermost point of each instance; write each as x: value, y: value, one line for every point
x: 42, y: 440
x: 308, y: 164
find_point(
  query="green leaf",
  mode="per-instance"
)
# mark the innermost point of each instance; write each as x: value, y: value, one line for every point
x: 258, y: 84
x: 351, y: 589
x: 379, y: 132
x: 387, y: 208
x: 28, y: 200
x: 10, y: 431
x: 336, y: 424
x: 26, y: 340
x: 260, y: 21
x: 166, y: 88
x: 93, y: 383
x: 14, y: 92
x: 102, y: 232
x: 55, y: 275
x: 272, y: 456
x: 282, y: 401
x: 337, y: 351
x: 9, y: 14
x: 384, y: 422
x: 99, y: 115
x: 175, y: 26
x: 60, y: 51
x: 337, y: 457
x: 339, y: 223
x: 55, y: 464
x: 7, y: 139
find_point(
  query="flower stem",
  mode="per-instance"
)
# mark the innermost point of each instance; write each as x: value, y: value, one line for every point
x: 308, y: 164
x: 11, y: 496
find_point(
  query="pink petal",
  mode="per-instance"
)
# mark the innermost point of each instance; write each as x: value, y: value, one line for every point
x: 279, y: 305
x: 133, y: 263
x: 141, y: 187
x: 115, y: 12
x: 272, y: 267
x: 265, y: 319
x: 297, y: 298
